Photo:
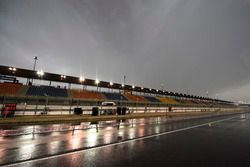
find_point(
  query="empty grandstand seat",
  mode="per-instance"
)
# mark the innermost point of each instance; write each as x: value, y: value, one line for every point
x: 115, y: 96
x: 195, y: 101
x: 152, y: 99
x: 46, y: 91
x: 167, y: 100
x: 188, y: 101
x: 183, y: 101
x: 9, y: 88
x: 135, y: 98
x: 85, y: 94
x: 179, y: 101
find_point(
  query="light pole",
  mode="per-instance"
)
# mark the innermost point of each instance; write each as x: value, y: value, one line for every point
x: 162, y: 87
x: 97, y: 84
x: 34, y: 67
x: 82, y: 79
x: 123, y: 85
x: 111, y: 86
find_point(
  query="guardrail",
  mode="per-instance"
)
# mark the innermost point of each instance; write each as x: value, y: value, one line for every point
x: 103, y: 124
x: 56, y: 110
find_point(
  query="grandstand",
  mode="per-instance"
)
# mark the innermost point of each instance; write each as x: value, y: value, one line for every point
x: 135, y: 98
x: 46, y: 91
x: 185, y: 101
x: 16, y: 89
x: 10, y: 88
x: 85, y: 94
x: 35, y: 96
x: 152, y: 99
x: 115, y: 96
x: 167, y: 100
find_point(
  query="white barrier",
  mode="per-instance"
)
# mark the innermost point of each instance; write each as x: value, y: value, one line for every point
x: 65, y: 110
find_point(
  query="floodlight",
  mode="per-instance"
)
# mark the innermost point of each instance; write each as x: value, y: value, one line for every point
x: 81, y: 79
x: 97, y: 81
x: 40, y: 72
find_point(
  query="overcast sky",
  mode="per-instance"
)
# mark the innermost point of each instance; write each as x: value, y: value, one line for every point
x: 189, y: 46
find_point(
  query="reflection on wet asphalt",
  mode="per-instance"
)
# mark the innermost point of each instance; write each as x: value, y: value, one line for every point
x: 25, y: 147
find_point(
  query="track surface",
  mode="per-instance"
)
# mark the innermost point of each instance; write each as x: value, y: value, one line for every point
x: 183, y: 143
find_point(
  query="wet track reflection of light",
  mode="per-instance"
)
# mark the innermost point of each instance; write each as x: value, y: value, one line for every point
x: 131, y: 133
x: 109, y: 128
x: 92, y: 136
x: 26, y: 137
x: 58, y: 142
x: 54, y: 147
x: 157, y: 129
x: 25, y: 151
x: 243, y: 116
x: 141, y: 132
x: 120, y: 133
x: 2, y: 154
x: 83, y: 126
x: 107, y: 138
x: 76, y: 143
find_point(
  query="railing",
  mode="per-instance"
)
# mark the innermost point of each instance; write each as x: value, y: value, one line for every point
x: 37, y: 129
x: 68, y: 110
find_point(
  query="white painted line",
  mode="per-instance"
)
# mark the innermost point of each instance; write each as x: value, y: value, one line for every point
x: 123, y: 142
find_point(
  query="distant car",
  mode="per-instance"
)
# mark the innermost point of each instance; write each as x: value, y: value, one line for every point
x: 108, y: 108
x: 108, y: 104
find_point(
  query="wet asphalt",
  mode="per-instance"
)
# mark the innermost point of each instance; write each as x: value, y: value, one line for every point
x: 223, y: 143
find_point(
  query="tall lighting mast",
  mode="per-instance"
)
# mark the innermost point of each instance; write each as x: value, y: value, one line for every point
x: 34, y: 67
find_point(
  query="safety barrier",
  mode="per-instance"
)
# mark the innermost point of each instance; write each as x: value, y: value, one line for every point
x: 37, y: 129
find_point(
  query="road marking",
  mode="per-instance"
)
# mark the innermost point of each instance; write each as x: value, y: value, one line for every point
x: 119, y: 143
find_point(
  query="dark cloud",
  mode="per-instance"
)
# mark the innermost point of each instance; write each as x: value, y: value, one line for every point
x: 188, y: 45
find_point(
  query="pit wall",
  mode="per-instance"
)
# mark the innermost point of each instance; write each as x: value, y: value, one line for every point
x: 23, y: 109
